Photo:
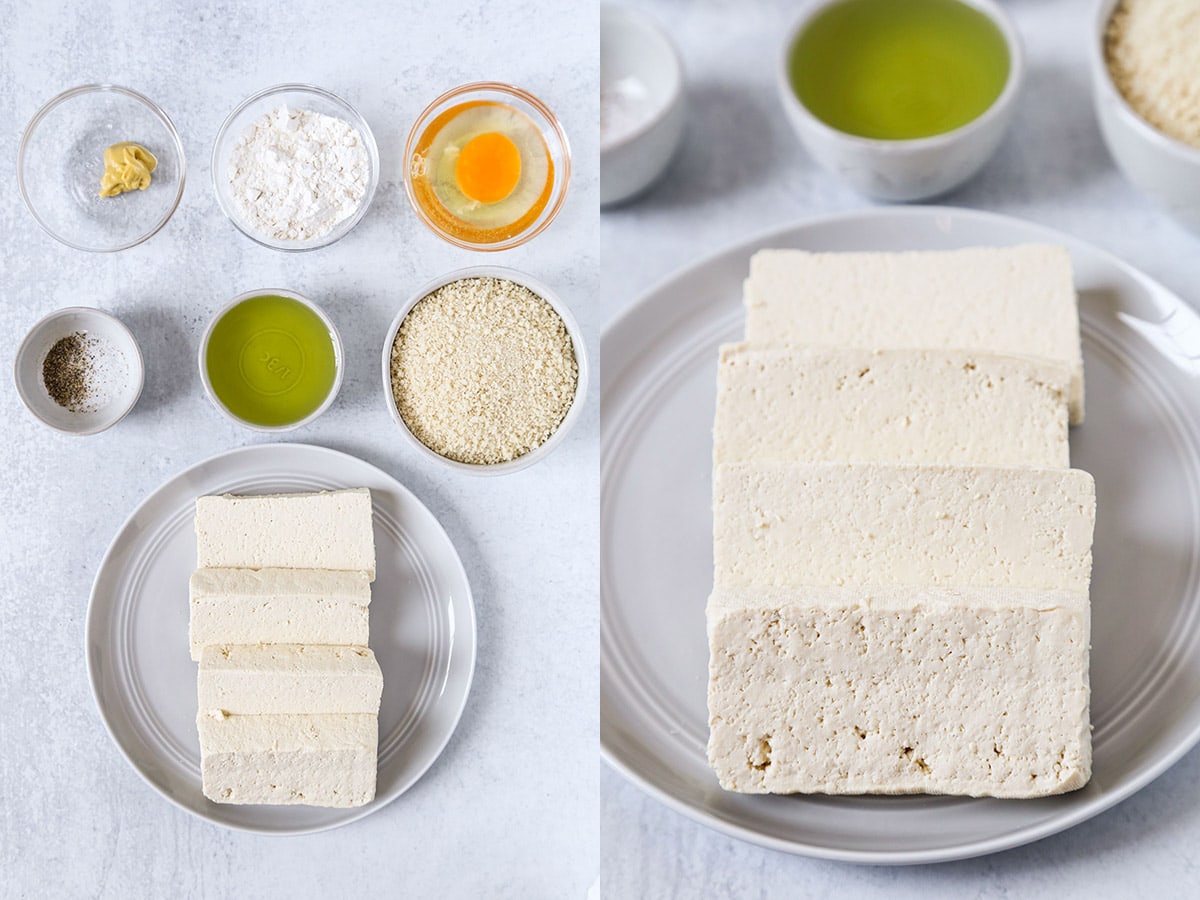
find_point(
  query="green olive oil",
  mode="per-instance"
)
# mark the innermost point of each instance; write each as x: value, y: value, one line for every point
x: 271, y: 360
x: 898, y: 69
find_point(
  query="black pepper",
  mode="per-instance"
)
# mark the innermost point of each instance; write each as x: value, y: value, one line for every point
x: 67, y: 371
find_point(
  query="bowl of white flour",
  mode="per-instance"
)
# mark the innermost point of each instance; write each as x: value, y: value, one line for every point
x: 295, y: 167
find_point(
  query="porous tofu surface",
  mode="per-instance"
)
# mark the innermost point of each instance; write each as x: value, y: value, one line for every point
x: 825, y: 404
x: 278, y: 606
x: 981, y: 692
x: 782, y: 524
x: 1017, y: 300
x: 315, y: 760
x: 324, y: 530
x: 288, y: 678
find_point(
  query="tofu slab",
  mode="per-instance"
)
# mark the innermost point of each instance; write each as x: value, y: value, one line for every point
x: 786, y: 524
x: 267, y: 679
x: 326, y: 530
x: 319, y: 760
x: 1014, y: 300
x: 278, y: 606
x: 975, y: 691
x: 816, y: 404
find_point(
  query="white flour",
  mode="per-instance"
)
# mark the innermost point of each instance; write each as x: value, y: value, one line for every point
x: 295, y: 174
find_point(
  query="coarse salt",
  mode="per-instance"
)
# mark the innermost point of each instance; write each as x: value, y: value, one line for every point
x: 624, y: 108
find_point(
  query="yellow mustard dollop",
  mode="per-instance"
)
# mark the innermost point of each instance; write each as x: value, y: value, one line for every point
x: 127, y: 167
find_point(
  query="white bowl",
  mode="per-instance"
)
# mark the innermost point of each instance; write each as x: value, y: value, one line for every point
x: 904, y: 170
x: 124, y: 369
x: 294, y: 96
x: 642, y: 80
x: 542, y: 450
x: 337, y: 360
x: 1166, y: 170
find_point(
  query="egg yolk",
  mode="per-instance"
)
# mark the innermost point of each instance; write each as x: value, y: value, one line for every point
x: 488, y: 167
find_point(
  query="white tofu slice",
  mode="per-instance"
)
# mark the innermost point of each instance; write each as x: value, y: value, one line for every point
x: 278, y: 606
x: 1014, y: 300
x: 319, y: 760
x: 267, y: 679
x: 975, y: 691
x: 783, y: 524
x: 816, y: 404
x: 326, y: 530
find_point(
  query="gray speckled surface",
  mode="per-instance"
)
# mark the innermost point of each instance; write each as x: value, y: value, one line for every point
x: 510, y: 808
x: 741, y: 172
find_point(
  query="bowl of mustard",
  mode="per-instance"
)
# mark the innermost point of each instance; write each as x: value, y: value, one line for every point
x: 101, y: 168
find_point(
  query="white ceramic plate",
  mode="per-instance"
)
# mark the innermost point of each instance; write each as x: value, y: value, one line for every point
x: 143, y: 677
x: 1141, y: 347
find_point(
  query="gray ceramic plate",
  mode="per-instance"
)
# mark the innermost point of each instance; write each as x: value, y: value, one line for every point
x: 1141, y: 348
x: 143, y: 677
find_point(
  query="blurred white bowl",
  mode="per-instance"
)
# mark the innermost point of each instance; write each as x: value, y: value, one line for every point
x: 1165, y: 169
x: 904, y: 170
x: 119, y: 372
x: 642, y: 106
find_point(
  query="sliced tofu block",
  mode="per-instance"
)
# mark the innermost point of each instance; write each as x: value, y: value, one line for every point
x: 278, y: 606
x: 975, y: 691
x: 264, y: 679
x: 326, y: 530
x: 817, y: 404
x: 322, y: 760
x: 1016, y: 300
x: 782, y: 524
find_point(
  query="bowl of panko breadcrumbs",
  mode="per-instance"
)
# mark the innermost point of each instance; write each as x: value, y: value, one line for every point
x: 1145, y: 72
x: 484, y: 370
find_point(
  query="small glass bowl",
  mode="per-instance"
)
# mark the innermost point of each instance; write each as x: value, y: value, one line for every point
x: 547, y: 124
x: 61, y: 158
x: 542, y: 450
x: 296, y: 96
x: 338, y: 360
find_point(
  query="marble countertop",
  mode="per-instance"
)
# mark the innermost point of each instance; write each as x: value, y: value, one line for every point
x: 742, y: 171
x: 509, y: 809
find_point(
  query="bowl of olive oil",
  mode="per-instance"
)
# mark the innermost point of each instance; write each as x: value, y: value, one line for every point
x: 903, y: 100
x: 271, y: 360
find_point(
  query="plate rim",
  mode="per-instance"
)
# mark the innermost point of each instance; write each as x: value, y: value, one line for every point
x: 1029, y: 834
x: 367, y: 809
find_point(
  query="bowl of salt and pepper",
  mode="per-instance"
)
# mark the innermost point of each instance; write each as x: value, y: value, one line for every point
x: 79, y: 370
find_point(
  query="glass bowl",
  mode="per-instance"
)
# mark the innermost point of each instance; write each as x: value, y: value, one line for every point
x: 542, y: 450
x: 537, y: 112
x: 61, y: 158
x: 298, y: 96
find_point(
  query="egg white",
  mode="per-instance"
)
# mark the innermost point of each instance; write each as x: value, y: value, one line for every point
x: 447, y: 144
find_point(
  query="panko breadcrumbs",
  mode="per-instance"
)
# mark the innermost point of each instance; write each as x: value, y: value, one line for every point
x: 1152, y: 48
x: 483, y: 370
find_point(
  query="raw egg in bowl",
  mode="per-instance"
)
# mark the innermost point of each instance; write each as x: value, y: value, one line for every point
x: 487, y: 166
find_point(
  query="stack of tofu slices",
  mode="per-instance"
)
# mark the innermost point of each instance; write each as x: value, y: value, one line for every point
x: 902, y: 553
x: 288, y: 689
